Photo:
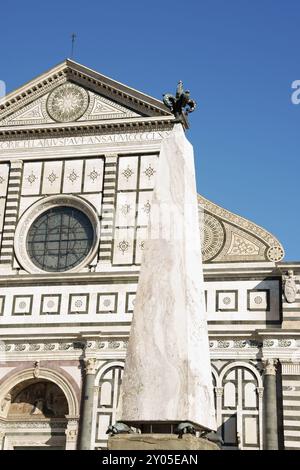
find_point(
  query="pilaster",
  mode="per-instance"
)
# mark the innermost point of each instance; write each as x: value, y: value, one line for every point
x: 108, y: 209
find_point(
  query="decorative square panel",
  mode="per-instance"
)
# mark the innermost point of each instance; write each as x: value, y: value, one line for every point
x: 50, y: 304
x: 126, y: 209
x: 2, y: 301
x: 144, y: 207
x: 78, y: 303
x: 107, y: 302
x: 226, y: 301
x: 22, y: 305
x: 130, y: 301
x: 148, y: 171
x: 258, y: 299
x: 93, y: 175
x: 123, y: 246
x: 31, y: 181
x: 141, y: 236
x: 127, y: 173
x: 73, y: 176
x: 52, y: 173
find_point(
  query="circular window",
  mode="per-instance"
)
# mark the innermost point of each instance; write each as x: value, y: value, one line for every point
x: 60, y: 239
x: 57, y: 234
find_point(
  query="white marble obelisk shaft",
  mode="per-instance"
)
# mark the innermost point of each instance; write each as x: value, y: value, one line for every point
x: 167, y: 375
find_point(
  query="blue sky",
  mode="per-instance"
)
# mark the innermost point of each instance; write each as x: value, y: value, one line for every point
x: 238, y: 58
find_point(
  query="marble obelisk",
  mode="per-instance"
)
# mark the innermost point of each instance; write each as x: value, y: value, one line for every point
x: 167, y: 377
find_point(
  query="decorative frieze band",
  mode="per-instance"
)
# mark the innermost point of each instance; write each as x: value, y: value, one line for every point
x: 247, y: 343
x: 32, y: 347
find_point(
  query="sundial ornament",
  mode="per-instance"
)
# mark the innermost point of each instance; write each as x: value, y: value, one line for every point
x: 181, y: 104
x: 67, y: 103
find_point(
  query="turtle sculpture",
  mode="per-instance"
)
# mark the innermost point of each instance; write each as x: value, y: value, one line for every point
x: 184, y: 428
x: 212, y: 436
x: 119, y: 428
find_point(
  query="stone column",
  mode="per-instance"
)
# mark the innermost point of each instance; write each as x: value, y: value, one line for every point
x: 88, y: 402
x: 270, y: 406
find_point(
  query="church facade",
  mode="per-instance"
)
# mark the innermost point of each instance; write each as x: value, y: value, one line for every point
x: 78, y: 158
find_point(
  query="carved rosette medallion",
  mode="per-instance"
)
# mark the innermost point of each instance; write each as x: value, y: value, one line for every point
x: 68, y: 102
x: 212, y: 238
x: 275, y: 253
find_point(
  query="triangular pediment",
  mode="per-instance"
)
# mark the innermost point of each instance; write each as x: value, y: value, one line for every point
x: 71, y: 92
x: 228, y: 237
x: 45, y: 110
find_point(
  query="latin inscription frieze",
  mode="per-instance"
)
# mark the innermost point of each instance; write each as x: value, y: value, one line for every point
x: 83, y: 140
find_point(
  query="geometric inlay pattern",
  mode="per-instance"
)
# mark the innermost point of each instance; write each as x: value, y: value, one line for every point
x: 78, y: 303
x: 107, y: 302
x: 50, y: 304
x: 22, y: 305
x: 259, y: 299
x: 226, y: 300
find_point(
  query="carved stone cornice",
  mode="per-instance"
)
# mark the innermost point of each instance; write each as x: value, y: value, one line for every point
x: 80, y: 128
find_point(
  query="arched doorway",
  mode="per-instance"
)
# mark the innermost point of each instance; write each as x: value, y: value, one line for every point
x: 34, y: 415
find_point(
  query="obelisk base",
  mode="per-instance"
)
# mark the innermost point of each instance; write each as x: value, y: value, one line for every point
x: 159, y: 442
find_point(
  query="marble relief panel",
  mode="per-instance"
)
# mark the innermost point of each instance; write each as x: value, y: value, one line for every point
x: 72, y: 182
x: 141, y: 235
x: 144, y: 207
x: 128, y: 173
x: 52, y: 177
x: 93, y: 175
x: 126, y: 209
x: 124, y: 246
x: 31, y: 182
x: 148, y: 171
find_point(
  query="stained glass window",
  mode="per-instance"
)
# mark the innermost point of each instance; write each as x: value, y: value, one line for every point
x: 60, y: 239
